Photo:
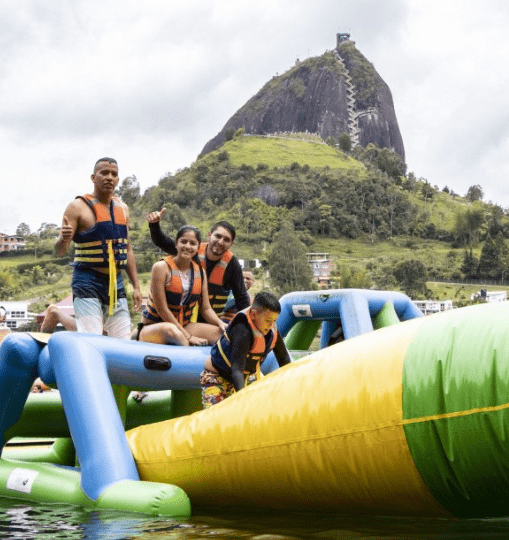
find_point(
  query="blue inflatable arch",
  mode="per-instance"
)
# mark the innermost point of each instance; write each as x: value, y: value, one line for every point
x: 352, y: 309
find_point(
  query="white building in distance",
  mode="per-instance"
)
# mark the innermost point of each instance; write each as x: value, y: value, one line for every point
x: 17, y: 314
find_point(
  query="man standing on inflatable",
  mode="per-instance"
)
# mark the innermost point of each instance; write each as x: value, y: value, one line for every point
x: 223, y: 270
x: 98, y: 224
x: 236, y: 358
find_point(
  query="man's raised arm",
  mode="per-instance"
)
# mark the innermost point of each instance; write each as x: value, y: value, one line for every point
x: 68, y: 230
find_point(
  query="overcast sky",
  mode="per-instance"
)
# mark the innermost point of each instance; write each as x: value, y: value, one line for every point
x: 149, y: 83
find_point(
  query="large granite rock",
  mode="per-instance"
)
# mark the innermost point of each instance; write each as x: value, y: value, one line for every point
x: 338, y: 92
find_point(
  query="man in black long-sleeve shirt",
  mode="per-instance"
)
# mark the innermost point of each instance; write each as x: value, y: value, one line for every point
x: 223, y: 270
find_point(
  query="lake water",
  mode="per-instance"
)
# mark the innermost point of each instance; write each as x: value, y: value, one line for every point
x: 53, y: 522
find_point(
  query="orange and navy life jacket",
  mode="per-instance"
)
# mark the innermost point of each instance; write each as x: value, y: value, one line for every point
x: 218, y: 293
x: 108, y: 235
x: 230, y: 308
x: 180, y: 304
x: 260, y: 348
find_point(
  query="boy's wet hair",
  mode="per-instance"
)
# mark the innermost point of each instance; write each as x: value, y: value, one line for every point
x: 266, y: 300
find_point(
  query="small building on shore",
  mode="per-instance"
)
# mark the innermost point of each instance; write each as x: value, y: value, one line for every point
x: 428, y: 307
x: 489, y: 296
x: 9, y: 242
x: 17, y: 314
x: 321, y: 266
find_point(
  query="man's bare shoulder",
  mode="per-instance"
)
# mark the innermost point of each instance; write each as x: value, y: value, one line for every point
x: 76, y: 206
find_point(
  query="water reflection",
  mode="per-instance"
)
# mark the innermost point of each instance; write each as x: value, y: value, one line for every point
x: 52, y: 521
x: 49, y: 521
x: 22, y: 521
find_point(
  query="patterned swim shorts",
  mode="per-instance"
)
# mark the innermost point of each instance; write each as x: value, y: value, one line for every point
x: 214, y: 388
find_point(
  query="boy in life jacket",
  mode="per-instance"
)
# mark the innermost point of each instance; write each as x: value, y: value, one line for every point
x: 223, y: 270
x: 98, y: 224
x: 236, y: 358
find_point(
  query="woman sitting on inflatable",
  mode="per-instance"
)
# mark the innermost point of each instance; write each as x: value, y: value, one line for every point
x: 178, y: 284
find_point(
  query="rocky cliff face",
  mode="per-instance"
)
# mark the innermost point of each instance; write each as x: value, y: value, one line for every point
x: 338, y: 92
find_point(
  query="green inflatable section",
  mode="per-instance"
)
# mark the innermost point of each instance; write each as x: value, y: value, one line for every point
x: 60, y: 452
x: 43, y: 482
x: 387, y: 316
x: 301, y: 335
x: 42, y: 471
x: 456, y: 408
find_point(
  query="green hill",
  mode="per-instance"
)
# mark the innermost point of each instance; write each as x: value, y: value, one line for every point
x: 360, y: 207
x: 277, y: 151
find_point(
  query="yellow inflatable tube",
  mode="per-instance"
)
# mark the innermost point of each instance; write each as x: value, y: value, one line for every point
x: 323, y: 433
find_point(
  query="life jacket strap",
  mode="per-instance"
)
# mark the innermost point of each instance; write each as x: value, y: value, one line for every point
x: 112, y: 267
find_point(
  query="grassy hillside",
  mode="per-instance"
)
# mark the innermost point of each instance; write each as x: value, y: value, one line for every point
x: 443, y: 208
x: 361, y: 214
x: 284, y: 150
x: 13, y: 262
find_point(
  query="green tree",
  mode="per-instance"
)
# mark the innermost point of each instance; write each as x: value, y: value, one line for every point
x: 287, y: 262
x: 470, y: 265
x: 475, y: 193
x: 353, y: 277
x: 229, y: 133
x: 495, y: 220
x: 494, y: 258
x: 37, y: 275
x: 467, y: 226
x: 383, y: 276
x: 411, y: 275
x: 325, y: 212
x: 23, y: 230
x: 129, y: 190
x: 48, y: 230
x: 427, y: 191
x: 7, y: 281
x: 391, y: 163
x: 504, y: 255
x: 384, y: 159
x: 345, y: 143
x: 240, y: 132
x: 258, y: 221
